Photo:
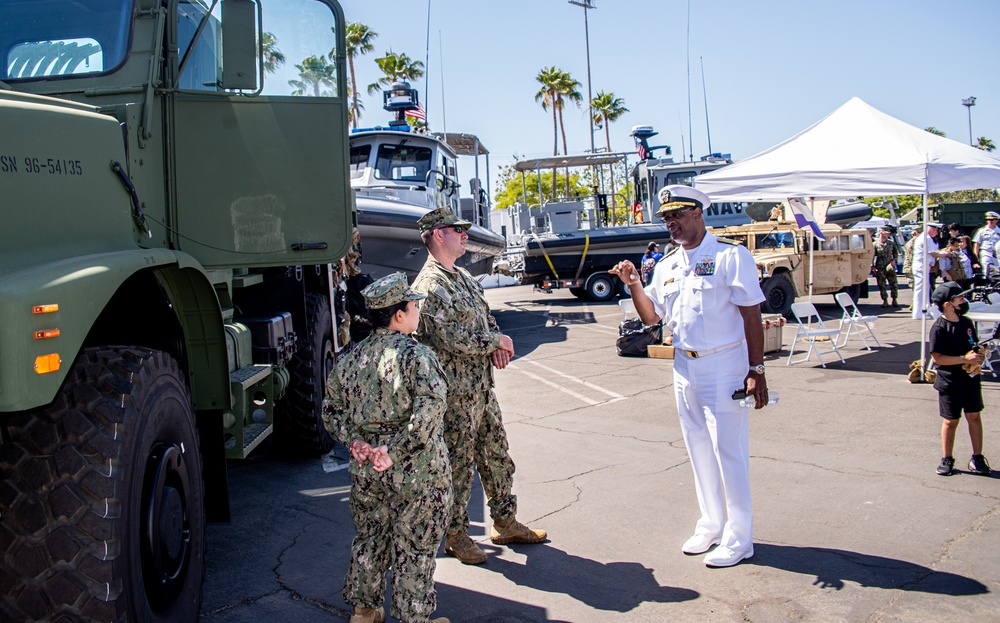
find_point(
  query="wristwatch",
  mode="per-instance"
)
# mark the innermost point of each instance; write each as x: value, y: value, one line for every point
x: 759, y: 368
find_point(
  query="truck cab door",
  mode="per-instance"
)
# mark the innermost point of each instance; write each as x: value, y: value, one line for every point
x: 260, y: 161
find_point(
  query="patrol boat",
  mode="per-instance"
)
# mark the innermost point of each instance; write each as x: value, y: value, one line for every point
x: 572, y: 243
x: 399, y: 175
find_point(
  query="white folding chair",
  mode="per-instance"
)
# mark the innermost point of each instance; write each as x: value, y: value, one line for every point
x: 853, y: 319
x: 812, y: 332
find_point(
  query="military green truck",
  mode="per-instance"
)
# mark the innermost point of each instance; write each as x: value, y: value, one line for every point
x: 175, y: 198
x: 841, y: 263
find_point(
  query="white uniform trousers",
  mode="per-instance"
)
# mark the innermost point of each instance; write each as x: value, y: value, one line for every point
x: 921, y: 295
x: 716, y: 432
x: 988, y: 264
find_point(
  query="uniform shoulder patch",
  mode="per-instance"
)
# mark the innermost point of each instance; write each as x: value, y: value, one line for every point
x: 728, y: 241
x: 442, y: 294
x: 671, y: 252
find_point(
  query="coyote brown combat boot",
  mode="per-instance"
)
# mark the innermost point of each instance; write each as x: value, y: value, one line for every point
x: 367, y: 615
x: 459, y: 545
x: 512, y: 531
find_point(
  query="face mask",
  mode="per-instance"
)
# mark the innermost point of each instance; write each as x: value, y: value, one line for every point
x: 962, y: 308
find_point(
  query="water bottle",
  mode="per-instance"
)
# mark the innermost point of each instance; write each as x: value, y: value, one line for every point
x: 772, y: 397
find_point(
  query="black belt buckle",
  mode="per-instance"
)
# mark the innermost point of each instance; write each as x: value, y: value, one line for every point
x: 693, y: 354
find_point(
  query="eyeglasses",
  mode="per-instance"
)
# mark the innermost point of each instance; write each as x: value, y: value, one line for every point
x: 455, y: 228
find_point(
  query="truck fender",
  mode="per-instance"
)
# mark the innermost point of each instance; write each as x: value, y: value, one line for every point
x: 51, y: 309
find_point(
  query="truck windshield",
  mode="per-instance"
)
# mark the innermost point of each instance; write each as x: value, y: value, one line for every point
x: 63, y: 38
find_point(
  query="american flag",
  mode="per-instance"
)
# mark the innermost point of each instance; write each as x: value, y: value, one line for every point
x: 418, y: 113
x: 640, y: 146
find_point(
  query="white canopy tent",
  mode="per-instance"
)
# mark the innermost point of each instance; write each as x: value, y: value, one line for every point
x: 856, y: 151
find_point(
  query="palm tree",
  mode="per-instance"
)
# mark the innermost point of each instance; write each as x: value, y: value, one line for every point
x: 934, y: 130
x: 557, y: 87
x: 396, y: 67
x: 985, y: 144
x: 315, y: 72
x: 548, y: 95
x: 271, y: 58
x: 568, y: 90
x: 351, y: 116
x: 608, y: 108
x: 359, y: 41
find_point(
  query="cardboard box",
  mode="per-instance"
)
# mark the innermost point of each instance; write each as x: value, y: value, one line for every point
x: 660, y: 351
x: 773, y: 325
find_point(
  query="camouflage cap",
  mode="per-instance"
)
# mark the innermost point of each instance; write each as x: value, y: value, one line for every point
x: 389, y: 290
x: 679, y: 196
x: 441, y: 216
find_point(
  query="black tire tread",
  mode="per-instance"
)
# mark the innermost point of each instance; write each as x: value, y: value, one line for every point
x: 299, y: 426
x: 62, y: 478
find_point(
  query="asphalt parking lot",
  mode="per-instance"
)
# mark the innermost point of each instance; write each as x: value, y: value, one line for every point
x: 851, y: 521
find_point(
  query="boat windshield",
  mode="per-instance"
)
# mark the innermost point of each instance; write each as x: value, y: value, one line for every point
x: 45, y: 39
x: 404, y: 163
x: 359, y: 160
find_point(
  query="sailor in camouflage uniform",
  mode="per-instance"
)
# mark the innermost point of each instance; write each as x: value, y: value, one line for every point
x: 385, y: 401
x: 455, y: 321
x: 885, y: 266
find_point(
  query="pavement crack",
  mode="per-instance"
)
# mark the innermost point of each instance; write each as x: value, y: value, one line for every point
x: 294, y: 594
x: 246, y: 602
x: 946, y: 553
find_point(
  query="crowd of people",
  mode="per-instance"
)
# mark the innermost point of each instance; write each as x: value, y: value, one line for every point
x: 414, y: 401
x: 951, y: 255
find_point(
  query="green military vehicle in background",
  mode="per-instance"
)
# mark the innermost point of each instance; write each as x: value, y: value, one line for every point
x: 175, y: 198
x: 969, y: 216
x: 841, y: 263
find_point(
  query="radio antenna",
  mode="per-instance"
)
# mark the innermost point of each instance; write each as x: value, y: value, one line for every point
x: 690, y: 135
x: 704, y: 92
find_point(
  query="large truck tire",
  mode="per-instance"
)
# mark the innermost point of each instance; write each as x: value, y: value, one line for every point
x: 779, y: 294
x: 298, y: 428
x: 601, y: 287
x: 102, y: 497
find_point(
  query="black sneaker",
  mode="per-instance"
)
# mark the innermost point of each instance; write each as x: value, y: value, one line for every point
x: 979, y: 465
x: 946, y: 466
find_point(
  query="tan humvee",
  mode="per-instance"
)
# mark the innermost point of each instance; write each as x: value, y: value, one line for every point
x: 841, y: 263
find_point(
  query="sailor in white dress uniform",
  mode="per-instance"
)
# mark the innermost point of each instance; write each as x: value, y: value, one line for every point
x: 707, y: 292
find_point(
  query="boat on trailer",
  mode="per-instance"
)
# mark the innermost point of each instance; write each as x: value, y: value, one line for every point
x: 399, y: 175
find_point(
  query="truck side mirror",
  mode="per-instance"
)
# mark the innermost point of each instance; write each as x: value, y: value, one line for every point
x: 240, y: 45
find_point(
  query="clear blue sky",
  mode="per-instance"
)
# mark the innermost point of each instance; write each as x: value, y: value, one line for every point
x: 772, y: 67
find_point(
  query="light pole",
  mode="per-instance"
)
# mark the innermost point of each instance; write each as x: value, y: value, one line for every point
x: 587, y: 4
x: 969, y: 103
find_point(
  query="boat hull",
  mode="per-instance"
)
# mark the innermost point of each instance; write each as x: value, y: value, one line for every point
x: 390, y: 240
x: 587, y: 252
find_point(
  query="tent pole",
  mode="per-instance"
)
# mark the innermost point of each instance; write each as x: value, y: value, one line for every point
x: 924, y: 300
x: 812, y: 249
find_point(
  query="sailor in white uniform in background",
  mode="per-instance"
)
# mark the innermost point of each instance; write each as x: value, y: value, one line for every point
x: 921, y: 270
x: 707, y: 292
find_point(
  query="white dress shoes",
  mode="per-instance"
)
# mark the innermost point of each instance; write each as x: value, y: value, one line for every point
x: 727, y: 557
x: 699, y: 544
